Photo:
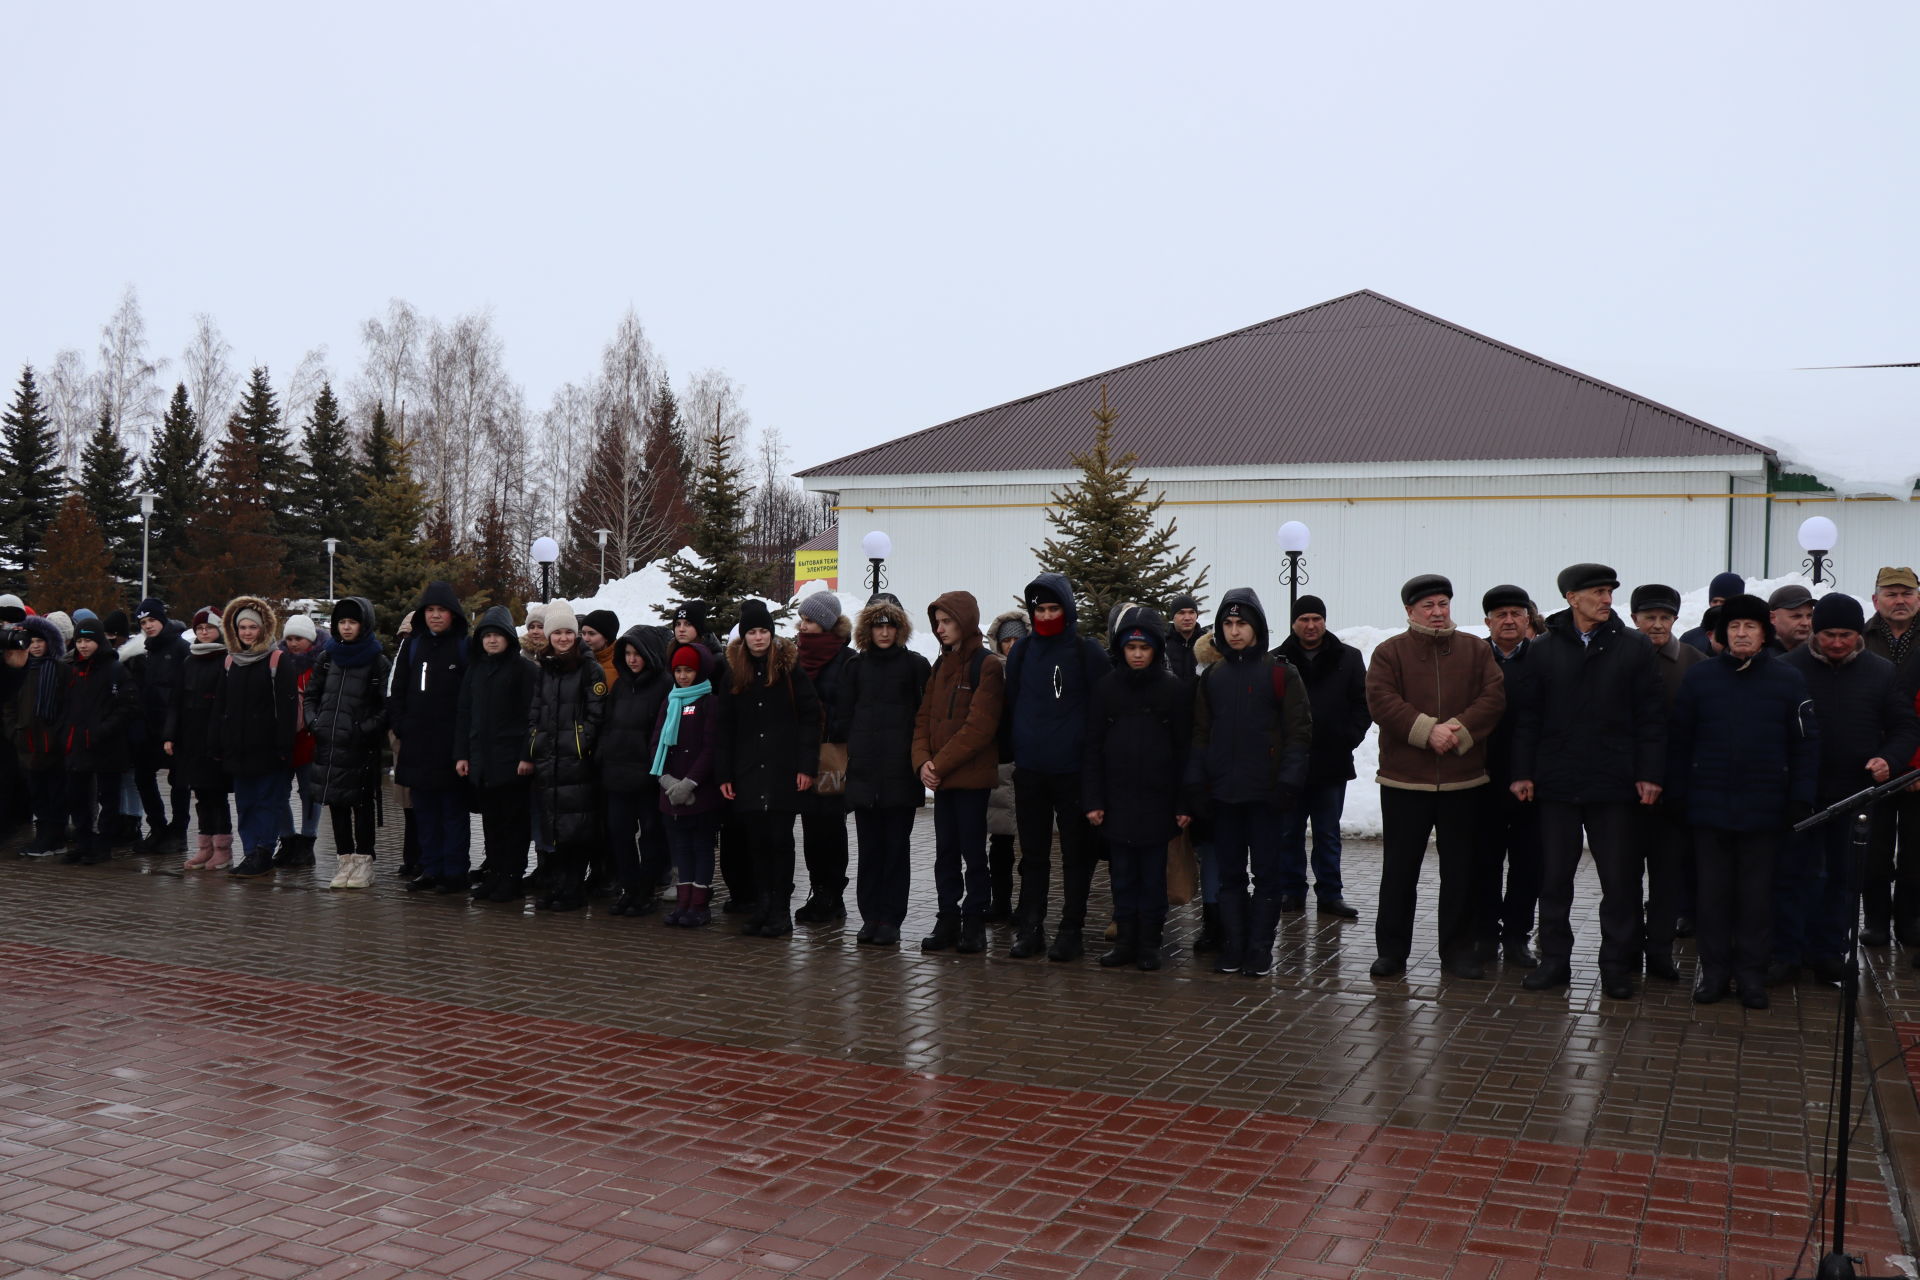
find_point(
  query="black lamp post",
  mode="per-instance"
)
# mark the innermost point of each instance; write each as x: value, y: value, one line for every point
x: 1293, y: 537
x: 876, y: 546
x: 546, y: 551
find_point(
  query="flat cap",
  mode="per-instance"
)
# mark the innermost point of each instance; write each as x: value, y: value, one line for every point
x: 1791, y: 596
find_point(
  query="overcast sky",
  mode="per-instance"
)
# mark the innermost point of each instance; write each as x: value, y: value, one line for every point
x: 880, y: 216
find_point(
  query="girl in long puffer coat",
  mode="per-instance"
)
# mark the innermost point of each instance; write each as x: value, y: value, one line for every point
x: 100, y: 704
x: 346, y: 712
x: 629, y: 790
x: 490, y: 741
x: 36, y: 714
x: 569, y: 706
x: 189, y: 743
x: 884, y: 685
x: 256, y: 714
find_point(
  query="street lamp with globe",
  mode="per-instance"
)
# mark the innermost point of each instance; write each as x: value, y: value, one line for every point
x: 545, y: 552
x: 1818, y: 536
x: 1293, y: 537
x: 876, y: 546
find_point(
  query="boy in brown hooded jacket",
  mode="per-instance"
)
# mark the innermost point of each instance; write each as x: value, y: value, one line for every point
x: 956, y: 751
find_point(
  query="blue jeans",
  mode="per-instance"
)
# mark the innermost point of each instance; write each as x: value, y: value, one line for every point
x: 441, y: 817
x: 262, y: 801
x: 1321, y: 804
x: 309, y: 810
x: 690, y: 843
x: 1209, y: 871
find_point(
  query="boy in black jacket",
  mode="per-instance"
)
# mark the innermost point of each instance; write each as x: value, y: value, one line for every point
x: 490, y: 747
x: 1139, y: 729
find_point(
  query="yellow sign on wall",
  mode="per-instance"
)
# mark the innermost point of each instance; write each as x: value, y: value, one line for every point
x: 817, y: 566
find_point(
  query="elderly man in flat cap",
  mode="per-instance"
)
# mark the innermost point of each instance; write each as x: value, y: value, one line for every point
x: 1437, y: 696
x: 1589, y: 746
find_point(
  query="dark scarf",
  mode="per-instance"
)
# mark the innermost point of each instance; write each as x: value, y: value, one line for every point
x: 818, y: 649
x: 358, y: 653
x: 46, y: 690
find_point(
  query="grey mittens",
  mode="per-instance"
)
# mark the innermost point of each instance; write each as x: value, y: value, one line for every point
x: 679, y: 790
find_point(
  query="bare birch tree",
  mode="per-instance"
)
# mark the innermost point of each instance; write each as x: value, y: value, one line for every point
x: 71, y: 397
x: 129, y: 377
x: 212, y: 384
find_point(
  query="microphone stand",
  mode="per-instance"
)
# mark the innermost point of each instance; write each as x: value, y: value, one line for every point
x: 1836, y: 1265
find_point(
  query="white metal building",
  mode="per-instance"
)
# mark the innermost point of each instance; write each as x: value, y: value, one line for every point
x: 1407, y: 444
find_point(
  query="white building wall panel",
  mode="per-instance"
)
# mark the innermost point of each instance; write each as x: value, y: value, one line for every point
x: 1369, y: 534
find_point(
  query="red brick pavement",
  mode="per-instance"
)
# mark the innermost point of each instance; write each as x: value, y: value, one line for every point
x: 162, y: 1121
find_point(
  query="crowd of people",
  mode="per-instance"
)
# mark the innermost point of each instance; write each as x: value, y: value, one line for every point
x: 628, y: 761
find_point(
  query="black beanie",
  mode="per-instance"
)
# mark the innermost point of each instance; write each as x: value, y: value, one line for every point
x: 1308, y: 604
x: 151, y: 607
x: 116, y: 623
x: 1427, y: 584
x: 605, y: 621
x: 1655, y: 595
x: 1742, y: 607
x: 1838, y: 611
x: 1505, y: 596
x: 1184, y: 600
x: 754, y: 613
x: 693, y: 611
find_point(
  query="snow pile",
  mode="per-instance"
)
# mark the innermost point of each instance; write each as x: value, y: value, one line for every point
x: 639, y: 597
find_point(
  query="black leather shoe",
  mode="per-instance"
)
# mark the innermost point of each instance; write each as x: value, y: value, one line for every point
x: 779, y: 923
x: 865, y: 936
x: 1663, y: 967
x: 886, y: 935
x: 1337, y: 907
x: 1387, y: 967
x: 1549, y: 974
x: 973, y: 936
x: 1293, y: 902
x: 946, y: 932
x: 1782, y: 974
x: 1709, y: 989
x: 1028, y: 942
x: 1066, y: 946
x: 1875, y: 936
x: 1753, y: 996
x: 1520, y: 956
x: 1464, y: 966
x: 1617, y: 986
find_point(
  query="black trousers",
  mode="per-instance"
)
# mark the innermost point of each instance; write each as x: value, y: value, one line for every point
x: 353, y: 827
x: 1407, y: 819
x: 960, y: 882
x: 1609, y: 831
x: 1000, y: 861
x: 636, y: 838
x: 1892, y: 893
x: 736, y: 858
x: 886, y: 863
x: 212, y: 812
x: 506, y: 827
x: 147, y: 783
x: 1139, y: 874
x: 1666, y: 843
x: 1734, y: 910
x: 823, y: 837
x: 1040, y: 802
x: 92, y: 800
x: 769, y: 834
x: 1506, y: 873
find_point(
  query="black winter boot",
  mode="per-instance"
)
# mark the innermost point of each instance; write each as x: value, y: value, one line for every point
x: 945, y: 935
x: 1152, y: 935
x: 1067, y: 945
x: 1256, y: 960
x: 1125, y: 949
x: 779, y: 921
x: 1029, y: 940
x: 1233, y: 932
x: 973, y: 936
x: 1208, y: 940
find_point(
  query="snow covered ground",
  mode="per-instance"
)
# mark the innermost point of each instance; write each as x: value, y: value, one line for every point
x: 636, y: 598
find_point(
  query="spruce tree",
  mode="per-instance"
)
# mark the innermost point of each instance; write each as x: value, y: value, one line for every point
x: 175, y: 473
x: 282, y: 474
x: 231, y: 547
x: 723, y: 576
x: 499, y: 567
x: 331, y: 498
x: 606, y: 500
x: 75, y: 570
x: 106, y: 486
x: 389, y: 564
x: 668, y: 517
x: 1107, y: 545
x: 31, y: 482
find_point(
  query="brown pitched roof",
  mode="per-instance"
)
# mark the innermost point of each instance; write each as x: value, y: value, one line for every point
x: 828, y: 539
x: 1360, y: 378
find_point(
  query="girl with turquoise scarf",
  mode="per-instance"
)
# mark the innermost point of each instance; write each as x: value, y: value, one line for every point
x: 685, y: 747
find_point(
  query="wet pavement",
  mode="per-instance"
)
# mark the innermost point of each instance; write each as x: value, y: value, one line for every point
x: 205, y: 1077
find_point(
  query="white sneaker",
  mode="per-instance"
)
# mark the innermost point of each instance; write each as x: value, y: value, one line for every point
x: 363, y: 871
x: 343, y: 878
